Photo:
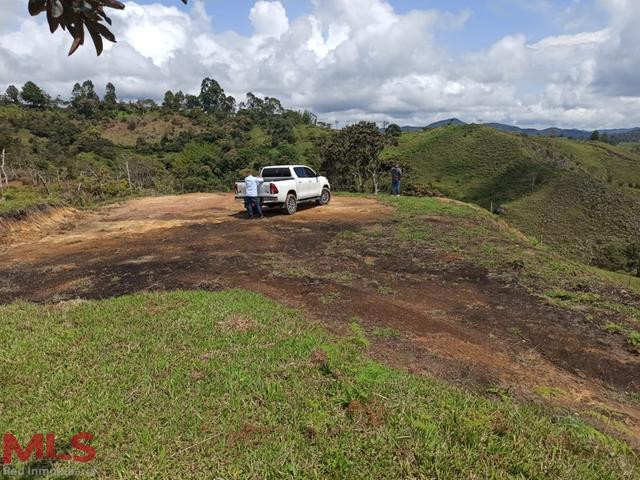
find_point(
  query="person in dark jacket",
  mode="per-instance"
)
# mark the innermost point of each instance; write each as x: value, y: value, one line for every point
x: 396, y: 178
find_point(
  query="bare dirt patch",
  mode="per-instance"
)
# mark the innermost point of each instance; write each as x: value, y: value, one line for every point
x: 35, y: 223
x: 236, y: 323
x: 127, y: 133
x: 454, y: 320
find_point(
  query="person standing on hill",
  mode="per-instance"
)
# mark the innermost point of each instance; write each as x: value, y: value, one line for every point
x: 396, y: 178
x: 251, y: 198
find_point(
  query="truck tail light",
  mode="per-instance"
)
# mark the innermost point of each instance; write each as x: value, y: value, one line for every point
x: 273, y: 189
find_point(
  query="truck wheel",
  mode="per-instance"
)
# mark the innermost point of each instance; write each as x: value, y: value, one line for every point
x: 291, y: 204
x: 325, y: 197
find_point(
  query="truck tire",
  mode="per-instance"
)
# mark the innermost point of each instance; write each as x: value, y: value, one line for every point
x: 291, y: 204
x: 325, y: 197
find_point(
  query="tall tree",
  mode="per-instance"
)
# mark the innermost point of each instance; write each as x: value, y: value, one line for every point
x: 179, y: 100
x: 191, y: 102
x: 13, y: 94
x: 169, y: 102
x: 352, y: 155
x: 211, y: 95
x: 392, y: 133
x: 213, y: 99
x: 272, y: 106
x: 84, y: 99
x: 595, y: 136
x: 76, y: 92
x: 252, y: 103
x: 90, y: 91
x: 110, y: 97
x: 33, y: 95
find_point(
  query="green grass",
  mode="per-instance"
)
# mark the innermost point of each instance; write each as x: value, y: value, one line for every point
x: 17, y: 199
x: 386, y: 333
x: 633, y: 147
x: 231, y: 385
x: 562, y: 296
x: 549, y: 392
x: 632, y: 336
x: 572, y: 195
x: 629, y: 281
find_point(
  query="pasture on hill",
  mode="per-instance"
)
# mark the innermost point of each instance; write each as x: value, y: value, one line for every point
x: 582, y: 198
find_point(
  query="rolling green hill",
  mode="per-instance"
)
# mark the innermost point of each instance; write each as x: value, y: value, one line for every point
x: 583, y: 198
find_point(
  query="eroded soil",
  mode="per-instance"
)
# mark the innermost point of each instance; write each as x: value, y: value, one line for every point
x: 426, y: 312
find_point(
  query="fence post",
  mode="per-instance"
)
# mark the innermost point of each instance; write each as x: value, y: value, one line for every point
x: 3, y: 172
x: 129, y: 176
x: 1, y: 181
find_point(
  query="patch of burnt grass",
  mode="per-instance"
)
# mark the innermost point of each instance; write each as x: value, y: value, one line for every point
x: 229, y: 384
x: 431, y: 229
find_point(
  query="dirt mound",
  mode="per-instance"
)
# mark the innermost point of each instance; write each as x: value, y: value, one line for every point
x: 36, y: 222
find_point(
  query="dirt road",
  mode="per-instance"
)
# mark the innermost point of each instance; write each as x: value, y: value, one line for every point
x: 456, y: 323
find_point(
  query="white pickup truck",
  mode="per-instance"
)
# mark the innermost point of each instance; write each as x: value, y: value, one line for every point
x: 289, y: 185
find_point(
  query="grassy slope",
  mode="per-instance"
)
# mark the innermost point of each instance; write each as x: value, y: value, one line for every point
x: 633, y: 147
x: 573, y: 194
x: 20, y: 199
x: 152, y: 126
x: 485, y: 241
x: 232, y: 385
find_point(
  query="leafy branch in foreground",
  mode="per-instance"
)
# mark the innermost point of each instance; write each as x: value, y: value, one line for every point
x: 74, y: 15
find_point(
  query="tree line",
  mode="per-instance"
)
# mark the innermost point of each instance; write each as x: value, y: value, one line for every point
x: 209, y: 139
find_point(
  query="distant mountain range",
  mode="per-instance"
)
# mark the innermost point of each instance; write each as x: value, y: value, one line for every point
x: 620, y: 134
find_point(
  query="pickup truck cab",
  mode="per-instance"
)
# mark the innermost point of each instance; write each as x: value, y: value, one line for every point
x: 287, y: 186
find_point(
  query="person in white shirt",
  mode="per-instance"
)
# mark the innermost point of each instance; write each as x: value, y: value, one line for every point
x: 251, y: 199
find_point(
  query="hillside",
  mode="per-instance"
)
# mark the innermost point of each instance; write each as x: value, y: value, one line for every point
x: 581, y: 197
x: 60, y: 156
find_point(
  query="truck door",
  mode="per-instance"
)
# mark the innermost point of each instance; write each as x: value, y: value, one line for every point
x: 315, y: 189
x: 306, y: 185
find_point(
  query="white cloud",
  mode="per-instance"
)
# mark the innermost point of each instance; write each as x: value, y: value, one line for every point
x: 269, y: 19
x: 156, y: 33
x: 584, y: 38
x: 350, y: 60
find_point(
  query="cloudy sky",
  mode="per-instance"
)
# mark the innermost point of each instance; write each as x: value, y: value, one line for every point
x: 569, y: 63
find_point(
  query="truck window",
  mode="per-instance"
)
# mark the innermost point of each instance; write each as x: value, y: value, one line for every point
x: 281, y: 172
x: 300, y: 172
x: 310, y: 173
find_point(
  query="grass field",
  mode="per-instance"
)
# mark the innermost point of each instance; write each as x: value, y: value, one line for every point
x: 580, y: 197
x: 231, y: 385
